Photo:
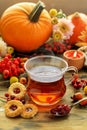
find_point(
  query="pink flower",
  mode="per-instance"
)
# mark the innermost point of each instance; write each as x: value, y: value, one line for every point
x: 66, y: 27
x: 57, y: 35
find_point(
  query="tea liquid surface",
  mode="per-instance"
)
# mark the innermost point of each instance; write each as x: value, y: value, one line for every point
x: 46, y: 91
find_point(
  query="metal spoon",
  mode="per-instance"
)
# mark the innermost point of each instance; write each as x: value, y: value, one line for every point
x: 64, y: 109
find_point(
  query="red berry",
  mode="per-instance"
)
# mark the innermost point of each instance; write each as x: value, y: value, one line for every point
x: 12, y: 97
x: 22, y: 64
x: 61, y: 110
x: 73, y: 82
x: 78, y: 83
x: 75, y: 85
x: 13, y: 67
x: 8, y: 55
x: 16, y: 62
x: 22, y: 70
x: 6, y: 59
x: 75, y: 78
x: 23, y: 100
x: 77, y: 96
x: 6, y: 74
x: 19, y: 59
x: 23, y: 80
x: 83, y: 103
x: 8, y: 98
x: 6, y: 94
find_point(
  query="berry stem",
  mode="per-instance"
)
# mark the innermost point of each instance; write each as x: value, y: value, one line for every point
x: 2, y: 97
x: 2, y: 100
x: 78, y: 102
x: 4, y: 82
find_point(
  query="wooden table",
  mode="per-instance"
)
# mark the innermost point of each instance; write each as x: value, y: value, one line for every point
x: 77, y: 119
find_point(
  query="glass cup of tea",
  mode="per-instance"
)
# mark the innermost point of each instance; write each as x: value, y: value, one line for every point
x: 46, y: 84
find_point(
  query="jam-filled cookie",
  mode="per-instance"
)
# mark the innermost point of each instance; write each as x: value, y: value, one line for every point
x: 17, y: 89
x: 13, y: 108
x: 29, y: 111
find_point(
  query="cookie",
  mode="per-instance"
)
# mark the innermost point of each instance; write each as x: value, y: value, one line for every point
x: 13, y: 108
x: 29, y: 111
x: 17, y: 89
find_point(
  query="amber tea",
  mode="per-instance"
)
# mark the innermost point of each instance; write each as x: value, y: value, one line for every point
x: 48, y: 91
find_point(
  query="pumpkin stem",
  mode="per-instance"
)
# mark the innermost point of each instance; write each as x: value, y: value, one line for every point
x: 34, y: 15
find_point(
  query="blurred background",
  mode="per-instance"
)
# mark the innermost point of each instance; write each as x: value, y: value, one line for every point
x: 68, y: 6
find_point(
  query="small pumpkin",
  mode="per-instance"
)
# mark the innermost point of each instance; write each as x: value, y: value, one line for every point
x: 80, y: 22
x: 26, y: 26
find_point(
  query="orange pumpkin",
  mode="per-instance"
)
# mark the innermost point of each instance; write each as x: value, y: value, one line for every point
x: 80, y: 22
x: 26, y: 26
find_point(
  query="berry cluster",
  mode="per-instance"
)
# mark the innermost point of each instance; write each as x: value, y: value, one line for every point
x: 13, y: 97
x: 61, y: 110
x: 57, y: 47
x: 78, y: 96
x: 11, y: 66
x: 79, y: 83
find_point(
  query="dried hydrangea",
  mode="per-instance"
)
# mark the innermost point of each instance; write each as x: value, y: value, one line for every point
x: 3, y: 48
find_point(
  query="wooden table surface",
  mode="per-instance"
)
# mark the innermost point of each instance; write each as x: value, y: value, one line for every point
x: 77, y: 119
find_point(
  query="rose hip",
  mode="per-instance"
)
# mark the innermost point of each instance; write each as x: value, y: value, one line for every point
x: 77, y: 96
x: 79, y: 83
x: 64, y: 109
x: 61, y: 110
x: 6, y: 94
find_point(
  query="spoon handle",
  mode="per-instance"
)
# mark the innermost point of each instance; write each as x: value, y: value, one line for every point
x: 79, y: 101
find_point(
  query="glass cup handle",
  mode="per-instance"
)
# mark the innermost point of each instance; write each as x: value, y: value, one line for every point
x: 74, y: 71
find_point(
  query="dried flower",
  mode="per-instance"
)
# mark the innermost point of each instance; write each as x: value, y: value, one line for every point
x: 53, y: 12
x: 3, y: 48
x: 57, y: 35
x: 54, y: 20
x: 62, y: 31
x: 62, y: 26
x: 66, y: 27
